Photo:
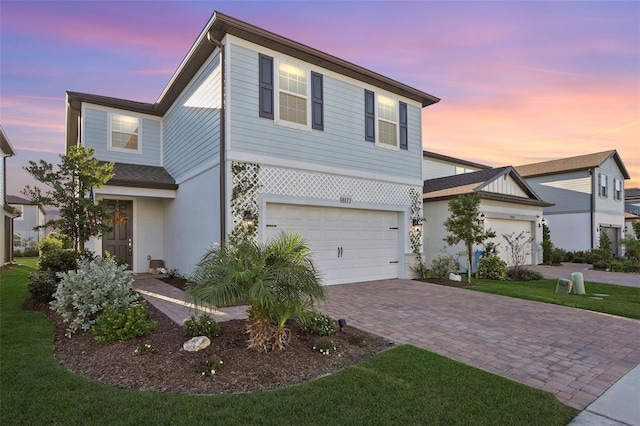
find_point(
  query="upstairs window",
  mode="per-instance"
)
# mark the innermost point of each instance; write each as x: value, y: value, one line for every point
x: 603, y: 186
x: 125, y: 131
x: 387, y: 118
x: 292, y: 88
x: 387, y: 121
x: 617, y: 189
x: 298, y: 100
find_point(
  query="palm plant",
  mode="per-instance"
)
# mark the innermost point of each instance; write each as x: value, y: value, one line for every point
x: 277, y: 279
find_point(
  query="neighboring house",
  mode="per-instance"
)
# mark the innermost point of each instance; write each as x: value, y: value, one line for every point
x: 32, y: 215
x: 258, y: 129
x: 629, y: 218
x: 8, y: 212
x: 587, y: 193
x: 437, y: 165
x: 632, y: 200
x: 508, y: 206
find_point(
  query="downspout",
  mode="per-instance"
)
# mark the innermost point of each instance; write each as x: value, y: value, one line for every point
x: 223, y: 168
x: 594, y: 187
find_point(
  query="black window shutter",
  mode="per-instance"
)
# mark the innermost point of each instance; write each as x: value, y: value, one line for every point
x: 266, y: 86
x: 317, y: 113
x: 404, y: 142
x: 369, y: 116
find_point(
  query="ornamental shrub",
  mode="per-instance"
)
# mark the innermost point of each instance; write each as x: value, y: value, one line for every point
x: 442, y: 266
x: 83, y: 294
x: 116, y: 323
x: 317, y: 323
x: 616, y: 266
x: 57, y: 260
x: 631, y: 265
x: 523, y: 274
x: 492, y: 268
x: 42, y: 285
x: 204, y: 326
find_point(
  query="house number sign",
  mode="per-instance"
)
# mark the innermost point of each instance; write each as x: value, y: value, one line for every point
x: 345, y: 199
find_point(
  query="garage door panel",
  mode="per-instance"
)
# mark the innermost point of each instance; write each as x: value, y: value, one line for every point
x: 506, y: 227
x: 367, y: 244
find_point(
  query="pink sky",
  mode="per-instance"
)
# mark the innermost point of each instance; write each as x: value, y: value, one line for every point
x: 520, y: 82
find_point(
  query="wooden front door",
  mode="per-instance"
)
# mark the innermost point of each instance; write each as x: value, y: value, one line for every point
x: 119, y: 242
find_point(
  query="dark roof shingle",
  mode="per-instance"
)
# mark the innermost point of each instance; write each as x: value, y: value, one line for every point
x: 139, y: 176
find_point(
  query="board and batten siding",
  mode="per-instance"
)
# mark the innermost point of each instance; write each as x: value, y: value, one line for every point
x: 191, y: 128
x: 569, y: 192
x: 505, y: 186
x: 341, y: 144
x: 96, y: 135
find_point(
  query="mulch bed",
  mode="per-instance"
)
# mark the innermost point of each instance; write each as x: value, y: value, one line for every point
x: 171, y: 369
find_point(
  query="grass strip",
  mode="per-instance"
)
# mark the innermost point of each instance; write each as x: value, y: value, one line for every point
x: 623, y: 301
x: 404, y: 385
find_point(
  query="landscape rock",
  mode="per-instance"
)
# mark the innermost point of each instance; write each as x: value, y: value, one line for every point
x: 454, y: 277
x: 196, y: 344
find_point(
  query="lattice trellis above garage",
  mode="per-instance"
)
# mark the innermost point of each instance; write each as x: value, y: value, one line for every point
x: 298, y: 183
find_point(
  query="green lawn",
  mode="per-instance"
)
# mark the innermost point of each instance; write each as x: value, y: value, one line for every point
x: 621, y: 300
x: 404, y: 385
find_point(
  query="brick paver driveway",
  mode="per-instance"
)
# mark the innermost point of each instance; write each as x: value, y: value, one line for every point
x: 574, y: 354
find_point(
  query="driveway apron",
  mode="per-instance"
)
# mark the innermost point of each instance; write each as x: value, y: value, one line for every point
x: 572, y: 353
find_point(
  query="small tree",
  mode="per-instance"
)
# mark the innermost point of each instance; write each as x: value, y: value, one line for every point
x: 69, y: 187
x: 547, y: 245
x: 464, y: 225
x: 636, y: 227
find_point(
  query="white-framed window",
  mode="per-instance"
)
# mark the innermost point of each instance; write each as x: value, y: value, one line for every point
x: 603, y: 186
x: 125, y: 133
x: 17, y: 240
x: 290, y: 94
x: 387, y: 121
x: 293, y: 94
x: 617, y: 189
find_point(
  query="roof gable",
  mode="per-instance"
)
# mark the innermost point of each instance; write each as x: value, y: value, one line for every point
x: 571, y: 164
x: 453, y: 160
x: 483, y: 182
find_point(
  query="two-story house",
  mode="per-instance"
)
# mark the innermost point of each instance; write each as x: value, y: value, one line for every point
x: 31, y: 216
x: 508, y: 206
x: 587, y: 192
x: 257, y: 130
x: 435, y: 165
x: 8, y: 212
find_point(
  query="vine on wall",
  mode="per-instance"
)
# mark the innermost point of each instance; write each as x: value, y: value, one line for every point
x: 415, y: 213
x: 244, y: 196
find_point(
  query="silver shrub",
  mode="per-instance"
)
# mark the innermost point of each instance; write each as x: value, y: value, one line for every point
x: 84, y: 293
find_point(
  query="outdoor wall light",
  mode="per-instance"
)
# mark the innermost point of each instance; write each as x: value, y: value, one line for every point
x: 542, y: 223
x: 416, y: 224
x: 482, y: 217
x: 248, y: 220
x: 342, y: 322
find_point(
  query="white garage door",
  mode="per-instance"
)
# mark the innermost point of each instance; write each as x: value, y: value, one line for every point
x: 509, y: 226
x: 349, y: 245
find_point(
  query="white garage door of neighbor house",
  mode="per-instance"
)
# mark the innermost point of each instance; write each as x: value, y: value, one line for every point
x: 349, y: 245
x: 509, y: 226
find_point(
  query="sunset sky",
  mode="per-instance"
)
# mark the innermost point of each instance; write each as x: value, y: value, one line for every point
x: 520, y: 82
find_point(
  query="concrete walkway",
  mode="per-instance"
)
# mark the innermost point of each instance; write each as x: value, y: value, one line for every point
x: 576, y: 355
x: 566, y: 269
